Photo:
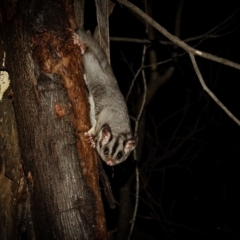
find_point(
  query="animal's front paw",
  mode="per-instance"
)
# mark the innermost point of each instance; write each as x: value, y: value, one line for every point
x: 89, y: 139
x: 78, y: 42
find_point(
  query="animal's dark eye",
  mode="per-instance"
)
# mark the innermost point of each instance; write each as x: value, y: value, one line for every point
x: 106, y: 151
x: 119, y: 155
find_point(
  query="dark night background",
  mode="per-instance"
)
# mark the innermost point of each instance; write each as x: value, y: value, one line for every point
x: 189, y: 169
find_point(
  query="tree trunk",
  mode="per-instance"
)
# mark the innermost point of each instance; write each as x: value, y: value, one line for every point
x: 52, y: 114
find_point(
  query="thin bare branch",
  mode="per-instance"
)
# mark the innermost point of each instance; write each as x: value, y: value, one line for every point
x: 143, y: 102
x: 106, y: 185
x: 132, y: 40
x: 209, y: 34
x: 175, y: 39
x: 212, y: 32
x: 133, y: 81
x: 136, y: 203
x: 179, y: 18
x: 147, y: 41
x: 213, y: 96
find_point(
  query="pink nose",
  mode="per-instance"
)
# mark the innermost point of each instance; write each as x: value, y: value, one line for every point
x: 109, y: 163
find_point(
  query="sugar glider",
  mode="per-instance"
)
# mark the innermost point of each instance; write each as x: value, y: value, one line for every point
x: 111, y: 133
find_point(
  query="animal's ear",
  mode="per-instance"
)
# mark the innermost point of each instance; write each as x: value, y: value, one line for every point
x: 106, y: 134
x: 130, y: 144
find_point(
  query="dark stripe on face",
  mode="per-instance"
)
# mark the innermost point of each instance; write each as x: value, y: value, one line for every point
x: 100, y: 144
x: 115, y: 146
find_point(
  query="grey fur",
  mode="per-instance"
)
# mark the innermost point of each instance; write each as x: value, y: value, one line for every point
x: 111, y: 121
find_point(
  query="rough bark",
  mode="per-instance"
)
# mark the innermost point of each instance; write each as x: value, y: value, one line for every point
x: 52, y: 114
x: 13, y: 193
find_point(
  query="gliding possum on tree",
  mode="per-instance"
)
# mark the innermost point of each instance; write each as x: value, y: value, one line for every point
x: 111, y: 133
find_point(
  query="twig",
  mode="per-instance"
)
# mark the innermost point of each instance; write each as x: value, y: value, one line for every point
x: 148, y: 41
x: 136, y: 203
x: 135, y: 152
x: 175, y: 39
x: 191, y: 51
x: 143, y: 100
x: 133, y: 81
x: 136, y: 75
x: 106, y: 185
x: 209, y: 34
x: 179, y: 18
x: 214, y: 30
x: 135, y: 133
x: 131, y: 40
x: 213, y: 96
